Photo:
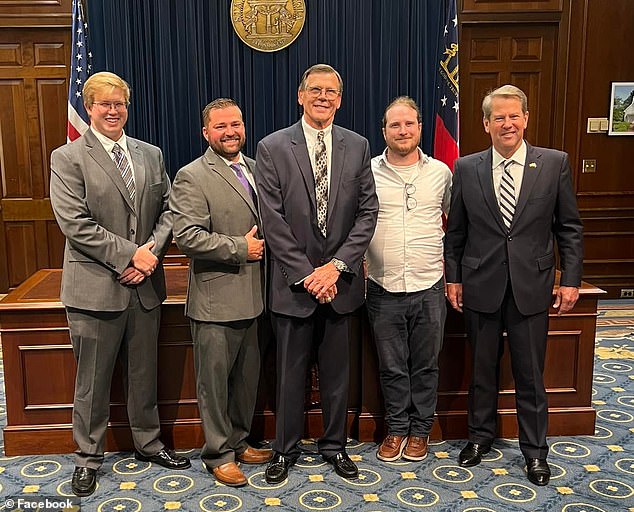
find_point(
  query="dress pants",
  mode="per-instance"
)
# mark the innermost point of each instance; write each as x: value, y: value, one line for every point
x: 98, y: 339
x: 527, y: 345
x: 408, y: 333
x: 329, y: 331
x: 227, y: 362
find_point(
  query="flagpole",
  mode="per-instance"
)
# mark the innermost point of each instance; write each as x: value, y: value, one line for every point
x: 80, y: 69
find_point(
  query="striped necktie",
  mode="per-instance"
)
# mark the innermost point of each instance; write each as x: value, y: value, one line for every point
x: 125, y: 169
x: 321, y: 182
x: 507, y: 195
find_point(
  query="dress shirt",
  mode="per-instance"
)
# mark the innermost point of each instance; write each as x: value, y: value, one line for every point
x: 310, y: 134
x: 406, y: 251
x: 108, y: 145
x: 245, y: 169
x: 517, y: 170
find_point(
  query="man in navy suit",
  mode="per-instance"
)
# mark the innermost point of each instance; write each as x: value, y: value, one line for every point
x: 509, y: 205
x: 319, y: 208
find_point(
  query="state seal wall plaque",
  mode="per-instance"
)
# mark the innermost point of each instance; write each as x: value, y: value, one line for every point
x: 268, y: 25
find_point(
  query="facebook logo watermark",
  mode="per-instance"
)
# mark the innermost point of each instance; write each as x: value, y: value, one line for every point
x: 42, y: 503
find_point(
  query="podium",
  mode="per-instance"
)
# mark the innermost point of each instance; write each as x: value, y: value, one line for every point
x: 39, y: 375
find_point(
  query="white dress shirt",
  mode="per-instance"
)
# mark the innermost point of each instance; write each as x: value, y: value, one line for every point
x: 406, y: 251
x: 310, y: 134
x: 517, y: 170
x: 108, y: 145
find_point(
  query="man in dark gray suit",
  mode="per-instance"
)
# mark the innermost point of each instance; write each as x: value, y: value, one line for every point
x: 319, y: 210
x: 216, y: 222
x: 109, y: 193
x: 509, y: 205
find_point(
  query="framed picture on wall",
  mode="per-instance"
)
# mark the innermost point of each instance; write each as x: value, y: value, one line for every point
x: 622, y: 109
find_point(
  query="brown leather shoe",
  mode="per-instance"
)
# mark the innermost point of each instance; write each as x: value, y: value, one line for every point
x: 416, y: 448
x: 253, y: 456
x: 230, y: 474
x: 391, y: 448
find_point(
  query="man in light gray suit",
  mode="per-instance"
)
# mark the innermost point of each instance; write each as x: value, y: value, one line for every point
x: 216, y: 222
x: 109, y: 193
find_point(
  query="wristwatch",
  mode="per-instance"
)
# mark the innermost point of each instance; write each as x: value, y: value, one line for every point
x: 340, y: 265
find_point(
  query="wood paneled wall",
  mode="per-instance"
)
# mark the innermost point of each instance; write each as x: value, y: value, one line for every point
x: 563, y: 53
x: 34, y: 57
x: 602, y: 54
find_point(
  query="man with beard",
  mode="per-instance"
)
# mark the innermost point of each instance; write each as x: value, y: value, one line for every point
x: 216, y: 224
x: 406, y: 299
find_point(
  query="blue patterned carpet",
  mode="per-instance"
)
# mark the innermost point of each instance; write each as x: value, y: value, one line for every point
x: 590, y: 473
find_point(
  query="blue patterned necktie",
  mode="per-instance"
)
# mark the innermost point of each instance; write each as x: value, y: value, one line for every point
x: 121, y: 161
x: 507, y: 195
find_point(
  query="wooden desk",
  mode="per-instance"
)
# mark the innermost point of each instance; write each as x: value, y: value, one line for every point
x: 567, y: 377
x: 39, y: 374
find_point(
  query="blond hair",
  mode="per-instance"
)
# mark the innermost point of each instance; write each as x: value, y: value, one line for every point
x: 104, y: 81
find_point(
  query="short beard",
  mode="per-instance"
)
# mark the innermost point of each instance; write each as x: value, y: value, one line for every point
x: 400, y: 151
x: 221, y: 152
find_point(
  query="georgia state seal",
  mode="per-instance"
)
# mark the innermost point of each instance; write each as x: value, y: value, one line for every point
x: 268, y: 25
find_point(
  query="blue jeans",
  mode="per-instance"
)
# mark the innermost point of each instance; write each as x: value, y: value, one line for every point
x: 408, y: 332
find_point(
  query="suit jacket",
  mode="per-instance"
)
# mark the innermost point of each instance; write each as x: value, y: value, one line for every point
x: 212, y: 213
x: 482, y: 254
x: 103, y: 228
x: 286, y: 189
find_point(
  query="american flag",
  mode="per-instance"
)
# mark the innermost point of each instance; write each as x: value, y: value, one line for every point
x: 446, y: 100
x: 80, y: 68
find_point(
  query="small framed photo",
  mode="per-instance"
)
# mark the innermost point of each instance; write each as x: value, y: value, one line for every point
x: 622, y: 109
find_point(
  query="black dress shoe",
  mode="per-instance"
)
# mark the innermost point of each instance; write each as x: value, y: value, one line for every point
x: 538, y: 471
x: 167, y: 459
x: 84, y: 481
x: 471, y: 455
x: 344, y: 467
x: 277, y: 470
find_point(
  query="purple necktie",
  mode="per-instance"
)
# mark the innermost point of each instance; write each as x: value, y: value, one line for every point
x: 243, y: 179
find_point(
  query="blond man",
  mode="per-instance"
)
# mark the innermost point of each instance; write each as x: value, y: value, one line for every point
x: 110, y: 193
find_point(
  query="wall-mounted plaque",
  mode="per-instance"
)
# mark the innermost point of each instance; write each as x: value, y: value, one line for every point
x: 268, y: 25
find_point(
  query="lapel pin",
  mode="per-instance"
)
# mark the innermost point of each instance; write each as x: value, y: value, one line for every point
x: 532, y: 164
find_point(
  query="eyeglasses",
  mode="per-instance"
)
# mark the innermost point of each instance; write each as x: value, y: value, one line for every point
x: 119, y: 106
x: 315, y: 92
x: 410, y: 200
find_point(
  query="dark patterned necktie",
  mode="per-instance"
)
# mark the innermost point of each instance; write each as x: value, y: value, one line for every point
x: 321, y: 182
x: 507, y: 195
x: 121, y: 161
x: 243, y: 179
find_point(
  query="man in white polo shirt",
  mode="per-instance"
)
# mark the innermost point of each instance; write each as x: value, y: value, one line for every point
x: 406, y: 292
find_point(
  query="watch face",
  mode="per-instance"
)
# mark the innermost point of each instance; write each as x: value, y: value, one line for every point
x: 339, y: 265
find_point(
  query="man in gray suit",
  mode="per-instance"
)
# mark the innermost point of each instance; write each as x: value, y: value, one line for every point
x: 109, y: 193
x: 319, y: 210
x: 509, y: 205
x: 216, y: 224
